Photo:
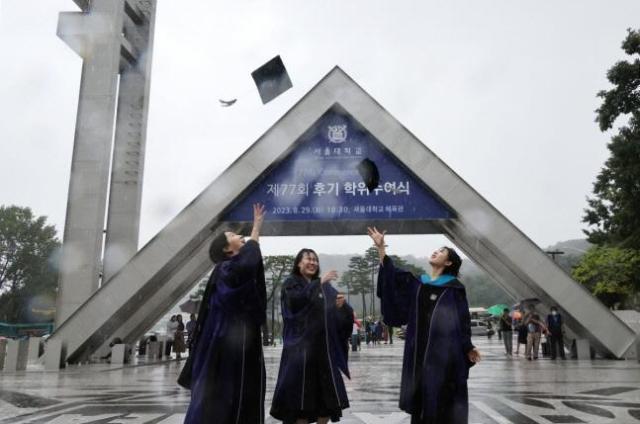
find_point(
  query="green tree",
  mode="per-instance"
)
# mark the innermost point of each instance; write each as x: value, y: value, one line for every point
x: 612, y: 274
x: 28, y: 276
x: 346, y: 281
x: 401, y: 263
x: 359, y: 274
x: 373, y: 264
x: 612, y: 213
x: 276, y: 268
x: 201, y: 288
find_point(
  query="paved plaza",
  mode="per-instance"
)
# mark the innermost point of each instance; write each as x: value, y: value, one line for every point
x: 502, y: 390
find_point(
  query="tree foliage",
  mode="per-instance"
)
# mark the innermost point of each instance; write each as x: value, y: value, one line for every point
x: 407, y: 266
x: 612, y: 274
x: 612, y: 213
x: 610, y: 270
x: 373, y: 263
x: 28, y: 276
x: 358, y: 279
x: 276, y: 269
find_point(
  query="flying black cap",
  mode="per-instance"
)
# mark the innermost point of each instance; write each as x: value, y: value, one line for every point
x: 271, y: 79
x: 369, y: 173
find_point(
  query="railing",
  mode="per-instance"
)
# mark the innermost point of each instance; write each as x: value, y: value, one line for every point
x: 25, y: 330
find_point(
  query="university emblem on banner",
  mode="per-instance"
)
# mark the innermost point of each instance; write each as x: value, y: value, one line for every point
x: 337, y: 133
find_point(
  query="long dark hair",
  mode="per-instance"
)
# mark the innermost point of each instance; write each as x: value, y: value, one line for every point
x: 217, y: 246
x: 296, y: 270
x: 456, y: 262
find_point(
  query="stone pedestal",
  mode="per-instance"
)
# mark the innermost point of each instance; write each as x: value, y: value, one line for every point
x: 583, y: 350
x: 54, y: 355
x: 120, y: 354
x: 154, y: 351
x: 16, y: 357
x: 34, y: 349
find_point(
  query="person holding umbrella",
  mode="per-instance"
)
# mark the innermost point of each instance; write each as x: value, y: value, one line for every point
x: 438, y: 350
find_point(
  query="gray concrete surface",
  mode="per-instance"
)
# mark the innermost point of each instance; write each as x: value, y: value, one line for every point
x: 502, y: 390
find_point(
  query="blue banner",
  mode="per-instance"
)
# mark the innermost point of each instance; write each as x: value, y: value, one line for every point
x: 319, y: 180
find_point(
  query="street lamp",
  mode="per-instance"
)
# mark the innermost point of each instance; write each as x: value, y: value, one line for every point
x: 554, y: 253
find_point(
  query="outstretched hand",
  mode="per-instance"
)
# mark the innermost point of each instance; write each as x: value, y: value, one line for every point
x: 258, y: 213
x: 378, y: 240
x: 329, y: 276
x: 376, y: 236
x: 474, y: 355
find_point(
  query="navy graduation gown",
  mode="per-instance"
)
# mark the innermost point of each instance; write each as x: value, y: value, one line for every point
x: 316, y: 335
x: 438, y: 337
x: 225, y: 370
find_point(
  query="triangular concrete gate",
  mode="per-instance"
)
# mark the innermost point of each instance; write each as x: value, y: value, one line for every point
x: 166, y: 268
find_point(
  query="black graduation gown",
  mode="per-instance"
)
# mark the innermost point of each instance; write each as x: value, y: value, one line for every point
x: 225, y: 370
x: 438, y: 337
x: 316, y: 335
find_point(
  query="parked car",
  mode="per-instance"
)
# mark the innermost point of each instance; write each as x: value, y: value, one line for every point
x: 479, y: 328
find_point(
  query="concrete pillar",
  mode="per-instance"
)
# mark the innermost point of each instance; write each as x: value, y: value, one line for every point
x: 98, y: 38
x: 125, y: 198
x: 119, y: 354
x: 16, y: 357
x: 54, y: 355
x: 34, y: 349
x: 3, y: 352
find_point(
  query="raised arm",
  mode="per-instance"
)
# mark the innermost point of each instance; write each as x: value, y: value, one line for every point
x: 378, y: 240
x: 258, y: 219
x: 396, y: 287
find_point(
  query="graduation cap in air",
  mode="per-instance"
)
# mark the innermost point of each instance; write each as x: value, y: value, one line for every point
x: 271, y: 79
x: 369, y: 173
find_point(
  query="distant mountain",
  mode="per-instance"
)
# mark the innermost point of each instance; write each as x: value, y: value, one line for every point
x: 482, y: 290
x: 572, y: 247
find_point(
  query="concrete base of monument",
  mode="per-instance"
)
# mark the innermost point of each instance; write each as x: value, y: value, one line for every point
x: 502, y: 389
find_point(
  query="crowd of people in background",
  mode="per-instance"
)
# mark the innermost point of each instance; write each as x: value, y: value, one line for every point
x: 372, y: 332
x: 537, y: 336
x: 530, y: 329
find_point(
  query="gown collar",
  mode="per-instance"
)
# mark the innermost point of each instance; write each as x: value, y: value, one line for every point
x: 438, y: 281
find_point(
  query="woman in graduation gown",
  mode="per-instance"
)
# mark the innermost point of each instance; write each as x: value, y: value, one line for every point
x: 317, y: 327
x: 438, y: 351
x: 225, y: 370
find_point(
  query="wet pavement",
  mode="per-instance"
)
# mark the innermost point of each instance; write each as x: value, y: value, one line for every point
x: 501, y: 390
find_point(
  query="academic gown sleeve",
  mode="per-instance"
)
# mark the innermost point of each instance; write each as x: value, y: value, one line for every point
x: 465, y: 320
x: 343, y: 328
x: 246, y: 263
x: 240, y: 286
x: 345, y: 321
x: 395, y: 289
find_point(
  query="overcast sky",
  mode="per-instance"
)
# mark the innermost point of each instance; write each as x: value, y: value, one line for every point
x: 503, y: 91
